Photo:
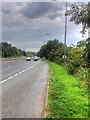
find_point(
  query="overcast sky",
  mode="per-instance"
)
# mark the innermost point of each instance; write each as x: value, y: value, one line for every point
x: 26, y: 24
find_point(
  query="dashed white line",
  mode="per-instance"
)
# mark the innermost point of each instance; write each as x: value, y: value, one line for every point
x: 19, y: 73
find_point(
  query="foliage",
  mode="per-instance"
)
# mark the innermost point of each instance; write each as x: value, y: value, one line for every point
x: 74, y: 59
x: 53, y: 51
x: 87, y: 52
x: 85, y: 45
x: 8, y: 50
x: 89, y: 73
x: 80, y: 14
x: 77, y: 60
x: 11, y: 51
x: 67, y: 97
x: 82, y: 73
x: 49, y: 48
x: 30, y: 54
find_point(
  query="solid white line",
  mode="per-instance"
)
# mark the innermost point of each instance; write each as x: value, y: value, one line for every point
x: 19, y: 73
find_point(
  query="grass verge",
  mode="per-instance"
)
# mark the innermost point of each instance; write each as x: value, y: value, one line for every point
x: 67, y: 96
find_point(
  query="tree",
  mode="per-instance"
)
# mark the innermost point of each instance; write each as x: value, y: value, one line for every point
x: 82, y: 44
x: 87, y: 52
x: 85, y: 45
x: 52, y: 51
x: 49, y: 47
x: 6, y: 49
x: 80, y: 14
x: 23, y: 53
x: 11, y: 51
x: 43, y: 51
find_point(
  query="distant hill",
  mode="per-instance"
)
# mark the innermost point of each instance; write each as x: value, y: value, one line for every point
x: 29, y: 53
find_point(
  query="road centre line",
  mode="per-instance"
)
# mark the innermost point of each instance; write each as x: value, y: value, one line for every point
x: 19, y: 73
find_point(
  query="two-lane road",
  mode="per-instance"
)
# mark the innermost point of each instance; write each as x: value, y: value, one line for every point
x: 24, y: 89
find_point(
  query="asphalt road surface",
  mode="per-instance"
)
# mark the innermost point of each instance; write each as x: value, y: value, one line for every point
x: 24, y: 89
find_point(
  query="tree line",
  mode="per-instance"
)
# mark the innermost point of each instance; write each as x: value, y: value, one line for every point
x: 11, y: 51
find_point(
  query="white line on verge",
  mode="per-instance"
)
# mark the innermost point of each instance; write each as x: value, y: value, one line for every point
x: 19, y: 73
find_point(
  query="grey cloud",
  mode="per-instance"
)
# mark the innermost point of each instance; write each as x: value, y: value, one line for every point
x: 5, y: 8
x: 20, y: 3
x: 53, y: 16
x: 34, y: 10
x: 6, y: 11
x: 11, y: 7
x: 37, y: 9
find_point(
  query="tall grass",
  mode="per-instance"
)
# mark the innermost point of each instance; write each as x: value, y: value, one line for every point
x: 67, y: 96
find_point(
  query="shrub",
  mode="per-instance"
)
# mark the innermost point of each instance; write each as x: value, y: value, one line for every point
x: 82, y: 73
x: 70, y: 68
x: 88, y: 73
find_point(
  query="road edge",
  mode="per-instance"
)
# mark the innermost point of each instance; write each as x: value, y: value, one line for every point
x: 46, y: 101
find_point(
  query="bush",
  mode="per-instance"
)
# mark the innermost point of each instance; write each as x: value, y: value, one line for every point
x: 70, y: 68
x: 58, y: 60
x: 88, y: 73
x: 82, y: 73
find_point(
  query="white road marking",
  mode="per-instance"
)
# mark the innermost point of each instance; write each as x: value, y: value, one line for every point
x: 19, y: 73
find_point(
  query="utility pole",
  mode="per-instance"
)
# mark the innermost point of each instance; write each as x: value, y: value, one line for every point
x: 65, y: 33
